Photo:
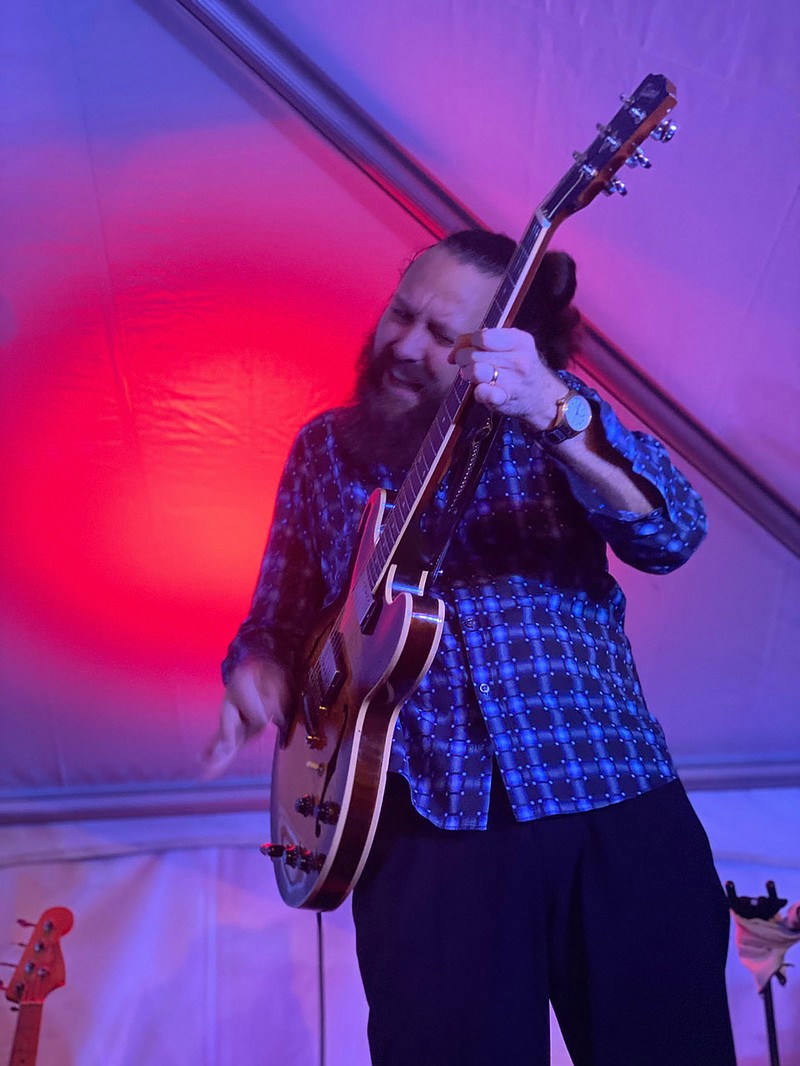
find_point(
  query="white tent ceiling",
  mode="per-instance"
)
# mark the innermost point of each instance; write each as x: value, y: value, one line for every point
x: 188, y: 272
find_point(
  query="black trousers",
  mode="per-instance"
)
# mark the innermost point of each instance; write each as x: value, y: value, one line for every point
x: 616, y: 916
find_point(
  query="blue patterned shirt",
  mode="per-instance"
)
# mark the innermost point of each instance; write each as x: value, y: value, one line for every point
x: 534, y: 667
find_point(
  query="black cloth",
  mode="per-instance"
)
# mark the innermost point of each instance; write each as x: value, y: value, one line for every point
x: 616, y: 915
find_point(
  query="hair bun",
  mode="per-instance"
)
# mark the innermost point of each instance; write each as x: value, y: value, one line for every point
x: 555, y: 281
x: 546, y: 310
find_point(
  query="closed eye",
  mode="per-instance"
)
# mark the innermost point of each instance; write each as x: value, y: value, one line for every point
x: 444, y: 339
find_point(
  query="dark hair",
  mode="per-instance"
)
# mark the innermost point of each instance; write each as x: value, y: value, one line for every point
x: 546, y: 312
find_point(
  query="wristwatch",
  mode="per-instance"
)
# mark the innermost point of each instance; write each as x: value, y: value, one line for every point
x: 574, y: 415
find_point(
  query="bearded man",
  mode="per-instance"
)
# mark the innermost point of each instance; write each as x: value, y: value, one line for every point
x: 535, y: 842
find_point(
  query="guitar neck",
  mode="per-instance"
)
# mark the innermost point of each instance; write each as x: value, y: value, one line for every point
x: 435, y: 454
x: 643, y: 114
x: 26, y: 1037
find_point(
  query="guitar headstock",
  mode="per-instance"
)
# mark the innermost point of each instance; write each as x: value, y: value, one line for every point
x: 643, y: 114
x: 41, y: 969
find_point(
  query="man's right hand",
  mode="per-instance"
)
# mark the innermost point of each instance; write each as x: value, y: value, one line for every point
x: 257, y: 693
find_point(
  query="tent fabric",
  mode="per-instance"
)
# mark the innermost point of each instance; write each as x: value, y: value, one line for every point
x: 183, y: 286
x: 187, y: 273
x: 183, y: 953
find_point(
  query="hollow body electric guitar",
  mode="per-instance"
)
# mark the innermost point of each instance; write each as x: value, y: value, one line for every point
x: 375, y: 645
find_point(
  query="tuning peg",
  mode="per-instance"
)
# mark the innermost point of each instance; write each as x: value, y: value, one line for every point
x: 25, y: 923
x: 610, y: 139
x: 665, y: 131
x: 636, y: 113
x: 638, y: 159
x: 586, y: 168
x: 615, y: 185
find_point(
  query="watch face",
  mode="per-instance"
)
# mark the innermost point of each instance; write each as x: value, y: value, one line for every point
x: 577, y: 413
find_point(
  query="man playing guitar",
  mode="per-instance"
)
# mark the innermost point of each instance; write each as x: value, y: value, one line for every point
x: 535, y: 842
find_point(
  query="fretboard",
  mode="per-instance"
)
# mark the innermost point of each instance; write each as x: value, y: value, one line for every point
x: 642, y: 114
x: 26, y: 1037
x: 433, y: 458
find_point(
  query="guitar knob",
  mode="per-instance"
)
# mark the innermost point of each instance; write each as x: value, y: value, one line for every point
x: 306, y: 861
x: 327, y: 812
x: 304, y: 805
x: 274, y: 851
x: 311, y: 861
x: 293, y: 855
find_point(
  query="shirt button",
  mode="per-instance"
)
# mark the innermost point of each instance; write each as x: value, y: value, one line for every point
x: 469, y: 623
x: 484, y: 688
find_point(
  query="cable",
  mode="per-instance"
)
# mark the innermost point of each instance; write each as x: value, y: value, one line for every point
x: 321, y: 971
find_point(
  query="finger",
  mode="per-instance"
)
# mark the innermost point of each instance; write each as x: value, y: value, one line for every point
x: 476, y: 364
x: 501, y: 339
x: 216, y: 758
x: 467, y: 343
x: 491, y: 395
x: 480, y: 373
x: 231, y: 734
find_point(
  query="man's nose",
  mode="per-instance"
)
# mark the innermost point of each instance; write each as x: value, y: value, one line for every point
x: 410, y: 346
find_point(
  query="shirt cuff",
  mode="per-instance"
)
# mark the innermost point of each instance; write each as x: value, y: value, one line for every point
x: 647, y: 458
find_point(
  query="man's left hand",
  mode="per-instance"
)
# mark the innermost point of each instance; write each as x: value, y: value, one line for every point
x: 509, y: 374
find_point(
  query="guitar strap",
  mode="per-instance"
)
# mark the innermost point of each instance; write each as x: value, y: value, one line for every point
x: 465, y: 473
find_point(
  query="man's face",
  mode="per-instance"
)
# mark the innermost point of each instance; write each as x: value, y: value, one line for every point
x: 438, y: 299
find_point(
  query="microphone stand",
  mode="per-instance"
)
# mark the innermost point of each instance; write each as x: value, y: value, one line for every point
x: 764, y: 907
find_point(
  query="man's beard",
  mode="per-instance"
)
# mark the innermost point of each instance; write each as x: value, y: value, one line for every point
x: 376, y: 428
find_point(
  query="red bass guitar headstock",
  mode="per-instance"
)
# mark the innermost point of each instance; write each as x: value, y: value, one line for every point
x: 41, y: 968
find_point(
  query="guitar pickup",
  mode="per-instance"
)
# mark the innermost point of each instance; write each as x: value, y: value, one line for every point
x: 332, y: 674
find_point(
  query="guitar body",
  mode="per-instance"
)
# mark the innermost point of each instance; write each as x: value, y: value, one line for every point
x: 328, y: 775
